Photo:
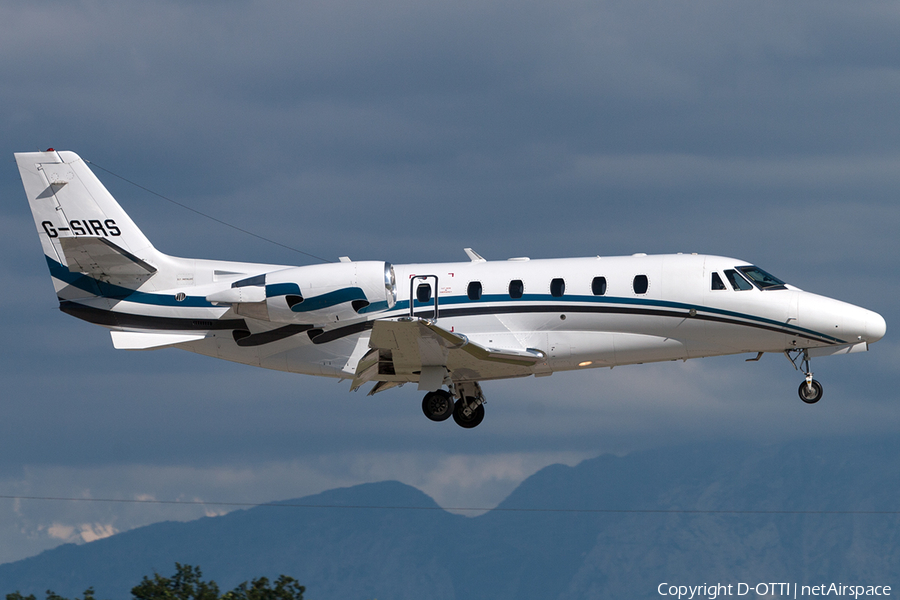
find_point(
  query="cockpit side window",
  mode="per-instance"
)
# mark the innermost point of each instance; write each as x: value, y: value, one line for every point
x: 716, y: 282
x: 761, y: 279
x: 737, y: 282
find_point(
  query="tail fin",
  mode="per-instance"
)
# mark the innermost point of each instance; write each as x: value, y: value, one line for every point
x: 81, y: 226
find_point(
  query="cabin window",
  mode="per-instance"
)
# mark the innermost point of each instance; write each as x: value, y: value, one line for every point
x: 557, y: 287
x: 640, y: 284
x: 474, y: 290
x: 598, y: 286
x: 761, y: 279
x: 423, y: 292
x: 717, y: 283
x: 516, y: 288
x: 737, y: 282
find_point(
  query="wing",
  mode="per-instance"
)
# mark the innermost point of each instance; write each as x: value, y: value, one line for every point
x: 419, y: 350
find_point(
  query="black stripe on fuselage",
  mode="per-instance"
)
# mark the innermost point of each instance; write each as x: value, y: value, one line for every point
x: 244, y: 338
x: 108, y: 318
x: 341, y: 332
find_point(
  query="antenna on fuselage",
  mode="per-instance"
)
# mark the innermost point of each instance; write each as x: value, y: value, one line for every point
x: 474, y: 256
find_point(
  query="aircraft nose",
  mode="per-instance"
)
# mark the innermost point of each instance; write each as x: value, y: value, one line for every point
x: 863, y: 325
x: 875, y: 327
x: 850, y: 323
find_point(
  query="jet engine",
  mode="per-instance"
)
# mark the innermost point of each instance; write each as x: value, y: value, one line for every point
x: 316, y: 295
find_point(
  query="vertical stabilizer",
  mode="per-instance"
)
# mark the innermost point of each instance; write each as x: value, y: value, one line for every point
x: 81, y: 226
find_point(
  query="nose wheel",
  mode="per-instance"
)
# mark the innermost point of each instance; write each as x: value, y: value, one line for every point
x: 810, y: 391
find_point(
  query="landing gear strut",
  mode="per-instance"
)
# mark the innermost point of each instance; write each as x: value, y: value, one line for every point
x: 810, y: 391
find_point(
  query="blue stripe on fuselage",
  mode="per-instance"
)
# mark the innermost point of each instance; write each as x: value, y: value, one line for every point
x: 282, y: 289
x: 116, y: 292
x: 329, y: 299
x: 99, y: 288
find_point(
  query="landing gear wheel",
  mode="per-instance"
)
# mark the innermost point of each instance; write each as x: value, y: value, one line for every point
x: 468, y: 422
x: 810, y: 392
x: 437, y: 406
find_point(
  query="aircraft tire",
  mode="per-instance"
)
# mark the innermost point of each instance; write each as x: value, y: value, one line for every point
x: 471, y: 421
x: 437, y: 406
x: 811, y: 396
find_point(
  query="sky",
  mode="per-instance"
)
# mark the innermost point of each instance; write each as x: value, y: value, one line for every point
x: 405, y: 131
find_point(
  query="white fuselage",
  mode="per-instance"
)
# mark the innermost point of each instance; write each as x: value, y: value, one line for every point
x: 440, y: 325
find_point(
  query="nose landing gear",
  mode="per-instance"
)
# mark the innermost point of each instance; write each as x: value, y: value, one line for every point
x: 810, y: 391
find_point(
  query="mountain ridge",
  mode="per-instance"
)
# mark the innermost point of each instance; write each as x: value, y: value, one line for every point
x: 609, y: 526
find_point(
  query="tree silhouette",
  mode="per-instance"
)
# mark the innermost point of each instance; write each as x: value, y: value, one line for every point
x: 187, y: 584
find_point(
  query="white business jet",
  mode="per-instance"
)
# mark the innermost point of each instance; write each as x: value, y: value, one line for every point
x: 445, y: 326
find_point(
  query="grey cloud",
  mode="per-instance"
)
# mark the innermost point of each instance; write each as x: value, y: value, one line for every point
x: 404, y: 132
x: 732, y: 79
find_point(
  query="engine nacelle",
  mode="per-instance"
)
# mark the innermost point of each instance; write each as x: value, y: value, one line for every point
x: 319, y: 294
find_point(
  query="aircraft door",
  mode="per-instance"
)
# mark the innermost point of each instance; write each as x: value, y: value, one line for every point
x: 422, y: 290
x: 793, y: 315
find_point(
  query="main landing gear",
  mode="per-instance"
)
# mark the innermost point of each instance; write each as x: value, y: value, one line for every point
x: 438, y: 406
x: 467, y: 410
x: 810, y: 391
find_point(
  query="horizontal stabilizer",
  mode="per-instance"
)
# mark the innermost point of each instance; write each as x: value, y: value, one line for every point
x: 139, y: 340
x: 101, y: 259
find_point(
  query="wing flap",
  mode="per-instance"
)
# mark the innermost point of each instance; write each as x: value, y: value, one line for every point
x: 523, y: 357
x: 421, y: 351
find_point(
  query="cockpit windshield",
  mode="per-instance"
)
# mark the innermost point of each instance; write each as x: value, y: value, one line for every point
x: 761, y: 279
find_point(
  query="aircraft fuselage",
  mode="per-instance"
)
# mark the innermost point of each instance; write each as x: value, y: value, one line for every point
x: 438, y: 324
